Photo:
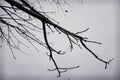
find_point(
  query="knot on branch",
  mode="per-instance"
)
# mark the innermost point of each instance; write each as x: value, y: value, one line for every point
x: 108, y: 62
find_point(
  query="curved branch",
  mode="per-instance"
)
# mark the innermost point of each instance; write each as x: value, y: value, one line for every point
x: 46, y: 21
x: 59, y: 70
x: 106, y: 62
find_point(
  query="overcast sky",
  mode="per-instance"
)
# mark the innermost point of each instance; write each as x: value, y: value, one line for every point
x: 101, y: 16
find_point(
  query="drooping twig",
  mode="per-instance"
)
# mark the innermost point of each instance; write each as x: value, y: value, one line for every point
x: 51, y: 54
x: 22, y: 30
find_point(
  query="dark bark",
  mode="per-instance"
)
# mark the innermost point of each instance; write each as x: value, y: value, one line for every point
x: 46, y: 22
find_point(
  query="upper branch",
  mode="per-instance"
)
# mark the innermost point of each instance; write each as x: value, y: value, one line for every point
x: 42, y: 18
x: 31, y: 11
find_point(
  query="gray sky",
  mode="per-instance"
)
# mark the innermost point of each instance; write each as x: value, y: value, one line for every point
x: 101, y: 18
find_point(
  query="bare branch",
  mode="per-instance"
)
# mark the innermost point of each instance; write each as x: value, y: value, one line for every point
x: 25, y: 31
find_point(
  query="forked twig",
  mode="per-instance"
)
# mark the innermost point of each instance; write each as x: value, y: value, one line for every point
x: 24, y: 31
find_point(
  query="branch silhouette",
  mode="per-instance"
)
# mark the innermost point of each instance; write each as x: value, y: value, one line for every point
x: 22, y: 30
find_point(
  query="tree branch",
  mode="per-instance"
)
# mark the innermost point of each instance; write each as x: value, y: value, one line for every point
x: 73, y: 38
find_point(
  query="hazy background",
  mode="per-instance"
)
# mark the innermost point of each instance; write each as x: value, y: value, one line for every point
x: 102, y: 17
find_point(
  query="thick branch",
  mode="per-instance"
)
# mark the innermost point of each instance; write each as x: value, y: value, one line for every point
x: 31, y: 11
